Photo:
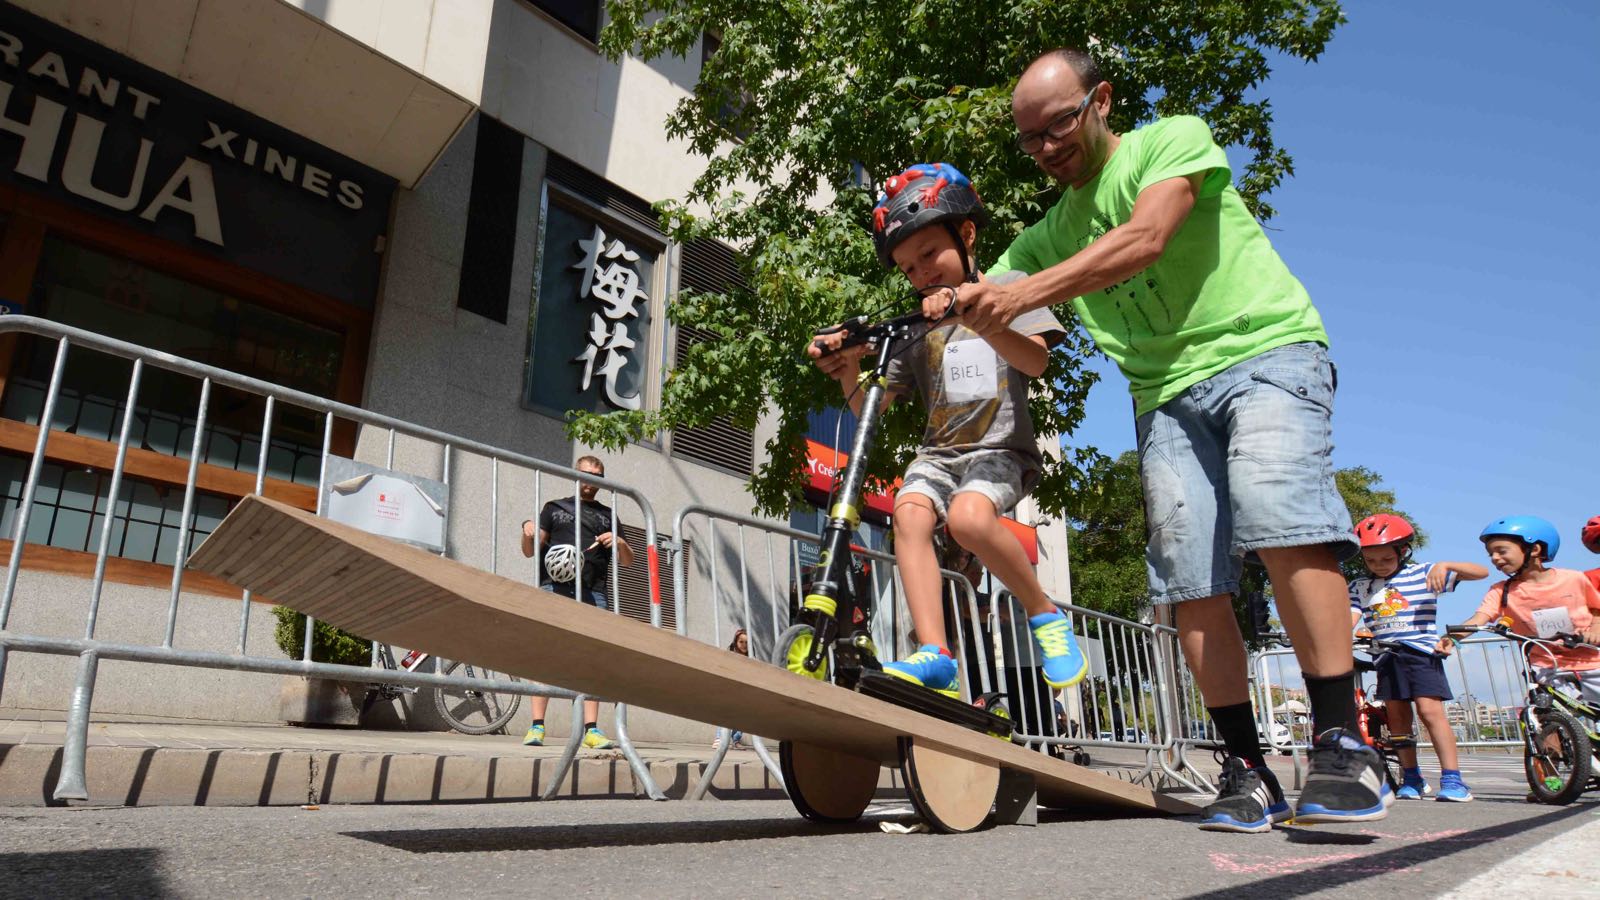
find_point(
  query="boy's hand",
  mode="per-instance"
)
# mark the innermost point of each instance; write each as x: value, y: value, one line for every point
x: 1591, y: 635
x: 840, y: 365
x: 1446, y: 646
x: 935, y: 304
x: 1363, y: 634
x: 1438, y: 576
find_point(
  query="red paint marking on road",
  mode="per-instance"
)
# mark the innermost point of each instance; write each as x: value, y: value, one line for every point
x: 1343, y: 862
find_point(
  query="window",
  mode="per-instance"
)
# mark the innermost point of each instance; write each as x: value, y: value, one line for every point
x: 592, y: 324
x: 87, y: 289
x: 491, y: 235
x: 582, y: 16
x: 711, y: 266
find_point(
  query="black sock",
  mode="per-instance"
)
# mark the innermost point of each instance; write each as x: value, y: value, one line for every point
x: 1333, y: 701
x: 535, y: 723
x: 589, y: 725
x: 1237, y: 725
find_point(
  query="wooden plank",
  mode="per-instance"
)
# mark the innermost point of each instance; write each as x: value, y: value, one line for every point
x: 405, y: 596
x: 45, y: 558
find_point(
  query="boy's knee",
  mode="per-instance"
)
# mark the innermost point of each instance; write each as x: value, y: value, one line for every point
x: 914, y: 520
x: 971, y: 516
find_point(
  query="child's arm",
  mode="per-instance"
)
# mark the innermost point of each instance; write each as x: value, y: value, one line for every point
x: 844, y: 366
x: 1439, y: 574
x: 1027, y: 354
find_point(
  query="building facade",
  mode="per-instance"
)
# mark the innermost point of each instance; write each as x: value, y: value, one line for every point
x: 436, y: 211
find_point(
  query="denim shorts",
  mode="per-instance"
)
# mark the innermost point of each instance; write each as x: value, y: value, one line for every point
x: 595, y: 597
x: 1240, y: 462
x: 1003, y: 476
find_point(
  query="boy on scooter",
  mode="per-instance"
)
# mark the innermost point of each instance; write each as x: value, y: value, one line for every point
x: 979, y: 454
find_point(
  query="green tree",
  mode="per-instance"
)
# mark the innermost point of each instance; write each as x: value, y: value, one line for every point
x: 804, y: 107
x: 1106, y: 527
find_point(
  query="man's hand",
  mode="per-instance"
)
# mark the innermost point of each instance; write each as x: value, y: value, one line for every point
x: 527, y: 528
x: 840, y: 365
x: 604, y: 539
x: 989, y: 308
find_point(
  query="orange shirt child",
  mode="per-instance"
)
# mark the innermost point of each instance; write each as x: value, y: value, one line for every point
x: 1564, y: 603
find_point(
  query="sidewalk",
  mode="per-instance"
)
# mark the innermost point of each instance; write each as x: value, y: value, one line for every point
x: 164, y: 763
x: 167, y: 763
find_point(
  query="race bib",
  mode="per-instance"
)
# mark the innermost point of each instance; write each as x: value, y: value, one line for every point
x: 1548, y: 623
x: 969, y: 371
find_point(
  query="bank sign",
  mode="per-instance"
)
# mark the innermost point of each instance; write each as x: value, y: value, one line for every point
x: 114, y: 137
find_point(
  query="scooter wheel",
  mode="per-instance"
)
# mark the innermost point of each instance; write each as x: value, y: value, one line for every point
x: 794, y: 645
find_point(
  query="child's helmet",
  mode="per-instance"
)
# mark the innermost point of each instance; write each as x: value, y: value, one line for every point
x: 1528, y: 530
x: 1591, y: 534
x: 561, y: 563
x: 922, y: 195
x: 1384, y: 529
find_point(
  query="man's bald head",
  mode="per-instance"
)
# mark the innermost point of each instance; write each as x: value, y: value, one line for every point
x: 1064, y: 69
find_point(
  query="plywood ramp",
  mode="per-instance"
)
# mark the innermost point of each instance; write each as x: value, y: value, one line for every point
x: 402, y: 595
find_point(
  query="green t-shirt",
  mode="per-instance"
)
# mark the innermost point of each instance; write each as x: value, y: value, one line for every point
x: 1218, y: 295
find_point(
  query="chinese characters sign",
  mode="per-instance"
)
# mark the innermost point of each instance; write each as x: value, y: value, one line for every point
x: 591, y: 331
x: 610, y: 278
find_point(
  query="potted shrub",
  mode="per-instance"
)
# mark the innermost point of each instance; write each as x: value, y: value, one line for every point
x: 320, y: 701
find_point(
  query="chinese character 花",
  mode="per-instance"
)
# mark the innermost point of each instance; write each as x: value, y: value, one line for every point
x: 609, y: 278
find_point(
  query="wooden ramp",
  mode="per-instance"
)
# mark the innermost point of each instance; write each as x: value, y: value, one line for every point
x: 835, y: 740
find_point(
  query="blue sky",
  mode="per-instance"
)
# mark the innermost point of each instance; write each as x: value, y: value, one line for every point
x: 1444, y: 216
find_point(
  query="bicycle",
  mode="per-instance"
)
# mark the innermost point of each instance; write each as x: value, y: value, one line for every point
x: 1559, y: 731
x: 833, y: 596
x: 466, y: 710
x: 1372, y: 716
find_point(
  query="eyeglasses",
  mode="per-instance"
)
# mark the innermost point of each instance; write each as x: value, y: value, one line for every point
x: 1059, y: 128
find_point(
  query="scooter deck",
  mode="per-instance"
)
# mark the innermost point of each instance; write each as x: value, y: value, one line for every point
x: 402, y: 595
x: 932, y: 703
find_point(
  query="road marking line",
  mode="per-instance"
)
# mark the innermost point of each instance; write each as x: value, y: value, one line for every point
x: 1564, y: 865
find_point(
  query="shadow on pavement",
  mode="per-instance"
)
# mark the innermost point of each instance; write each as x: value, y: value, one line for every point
x: 628, y: 834
x: 129, y: 872
x: 1347, y: 871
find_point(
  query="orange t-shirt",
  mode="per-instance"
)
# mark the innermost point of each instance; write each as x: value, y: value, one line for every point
x: 1564, y: 603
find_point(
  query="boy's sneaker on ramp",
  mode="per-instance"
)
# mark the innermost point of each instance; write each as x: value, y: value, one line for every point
x: 1063, y: 662
x: 930, y: 668
x: 1346, y: 784
x: 594, y: 739
x: 1250, y: 800
x: 534, y: 737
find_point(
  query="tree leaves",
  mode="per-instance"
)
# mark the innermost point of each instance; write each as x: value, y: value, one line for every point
x: 805, y: 106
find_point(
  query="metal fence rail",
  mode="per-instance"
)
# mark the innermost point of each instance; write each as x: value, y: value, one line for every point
x: 89, y: 650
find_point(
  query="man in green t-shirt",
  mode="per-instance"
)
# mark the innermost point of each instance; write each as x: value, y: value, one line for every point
x: 1233, y: 392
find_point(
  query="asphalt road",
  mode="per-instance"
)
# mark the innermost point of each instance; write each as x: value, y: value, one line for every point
x: 1496, y: 846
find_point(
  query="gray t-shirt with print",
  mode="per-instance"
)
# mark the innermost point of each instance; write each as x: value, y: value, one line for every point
x: 974, y: 398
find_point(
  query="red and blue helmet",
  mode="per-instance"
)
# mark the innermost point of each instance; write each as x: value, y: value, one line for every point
x: 924, y: 194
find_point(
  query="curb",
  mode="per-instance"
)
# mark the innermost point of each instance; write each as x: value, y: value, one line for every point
x: 167, y: 776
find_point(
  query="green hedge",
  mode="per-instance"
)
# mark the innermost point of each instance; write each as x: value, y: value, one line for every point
x: 328, y: 644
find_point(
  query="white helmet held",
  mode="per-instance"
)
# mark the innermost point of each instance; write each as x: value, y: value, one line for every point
x: 561, y: 563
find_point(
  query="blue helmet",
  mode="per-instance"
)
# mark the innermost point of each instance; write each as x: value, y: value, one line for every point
x: 1528, y: 529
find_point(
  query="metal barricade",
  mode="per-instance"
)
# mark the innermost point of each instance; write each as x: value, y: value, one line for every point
x: 747, y: 588
x: 1191, y: 726
x: 454, y: 453
x: 1482, y: 664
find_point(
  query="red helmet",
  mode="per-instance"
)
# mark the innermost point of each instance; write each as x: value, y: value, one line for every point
x: 1384, y: 529
x: 1591, y: 534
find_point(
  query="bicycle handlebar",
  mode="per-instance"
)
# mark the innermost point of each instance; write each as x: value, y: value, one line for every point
x: 1503, y: 629
x: 860, y: 330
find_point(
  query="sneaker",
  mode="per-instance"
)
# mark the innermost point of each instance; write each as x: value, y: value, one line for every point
x: 595, y: 740
x: 1064, y: 664
x: 1347, y: 782
x: 534, y: 737
x: 1453, y: 789
x: 1412, y: 790
x: 1250, y: 800
x: 929, y: 668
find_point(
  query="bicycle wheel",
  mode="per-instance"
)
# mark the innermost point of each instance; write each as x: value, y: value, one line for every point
x: 1559, y: 772
x: 472, y: 711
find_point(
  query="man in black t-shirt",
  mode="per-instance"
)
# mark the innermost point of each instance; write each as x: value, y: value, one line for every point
x: 572, y: 553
